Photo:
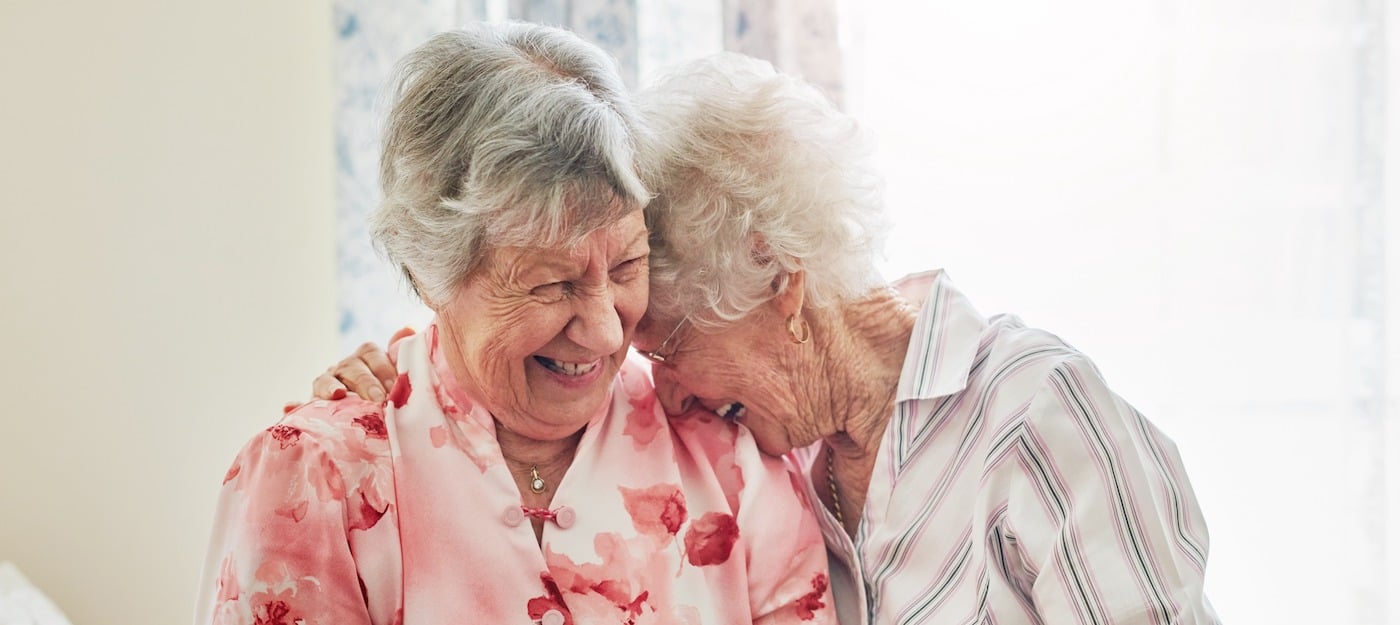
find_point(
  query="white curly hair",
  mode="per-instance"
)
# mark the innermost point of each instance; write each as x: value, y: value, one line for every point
x: 756, y: 175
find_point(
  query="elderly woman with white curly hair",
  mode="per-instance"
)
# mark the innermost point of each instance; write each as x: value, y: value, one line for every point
x: 969, y: 469
x: 521, y: 470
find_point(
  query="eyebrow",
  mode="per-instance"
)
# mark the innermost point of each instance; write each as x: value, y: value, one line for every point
x: 558, y: 263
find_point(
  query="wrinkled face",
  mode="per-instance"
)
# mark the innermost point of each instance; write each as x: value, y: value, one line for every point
x: 537, y: 335
x: 735, y: 372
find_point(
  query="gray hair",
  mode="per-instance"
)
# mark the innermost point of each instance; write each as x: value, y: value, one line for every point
x: 503, y: 134
x: 756, y: 176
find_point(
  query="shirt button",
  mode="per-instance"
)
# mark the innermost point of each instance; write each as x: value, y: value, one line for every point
x: 564, y: 517
x: 552, y: 617
x: 513, y: 516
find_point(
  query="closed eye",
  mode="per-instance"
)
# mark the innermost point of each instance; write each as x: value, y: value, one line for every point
x: 552, y: 292
x: 629, y: 269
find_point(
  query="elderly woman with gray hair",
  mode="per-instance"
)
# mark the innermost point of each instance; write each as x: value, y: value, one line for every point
x: 521, y: 470
x: 970, y: 469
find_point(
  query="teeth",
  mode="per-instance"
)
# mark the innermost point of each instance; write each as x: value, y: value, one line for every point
x: 567, y: 368
x: 732, y: 411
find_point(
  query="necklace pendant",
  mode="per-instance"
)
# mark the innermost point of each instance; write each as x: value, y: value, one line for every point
x: 536, y: 482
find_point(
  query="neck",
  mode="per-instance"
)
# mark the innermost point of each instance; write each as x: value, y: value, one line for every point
x: 551, y: 459
x: 528, y: 458
x: 864, y: 358
x: 863, y: 361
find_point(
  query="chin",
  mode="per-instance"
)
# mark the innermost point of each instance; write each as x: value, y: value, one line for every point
x: 567, y: 417
x: 771, y: 449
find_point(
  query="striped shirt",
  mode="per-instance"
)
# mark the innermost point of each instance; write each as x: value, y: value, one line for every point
x: 1013, y: 487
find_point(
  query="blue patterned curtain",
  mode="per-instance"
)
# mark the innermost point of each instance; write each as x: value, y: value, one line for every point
x: 798, y: 37
x: 371, y: 36
x: 612, y: 24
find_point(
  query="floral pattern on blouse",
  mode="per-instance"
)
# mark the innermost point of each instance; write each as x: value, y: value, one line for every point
x: 351, y: 512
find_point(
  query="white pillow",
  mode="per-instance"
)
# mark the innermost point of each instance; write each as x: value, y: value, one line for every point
x: 22, y: 604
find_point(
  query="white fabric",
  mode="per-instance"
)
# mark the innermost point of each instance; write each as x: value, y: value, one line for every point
x: 21, y: 603
x: 1013, y: 487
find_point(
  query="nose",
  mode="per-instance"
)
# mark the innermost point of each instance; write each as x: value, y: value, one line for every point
x: 596, y: 325
x: 674, y: 397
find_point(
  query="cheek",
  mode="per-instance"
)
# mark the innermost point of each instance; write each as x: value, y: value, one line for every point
x: 702, y: 380
x: 509, y: 342
x: 630, y: 300
x: 493, y: 337
x: 667, y: 380
x: 728, y: 371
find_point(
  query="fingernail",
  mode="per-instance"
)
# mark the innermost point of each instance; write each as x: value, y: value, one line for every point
x: 376, y: 395
x: 338, y: 393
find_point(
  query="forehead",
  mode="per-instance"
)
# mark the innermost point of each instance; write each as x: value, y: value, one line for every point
x: 627, y: 232
x: 625, y: 235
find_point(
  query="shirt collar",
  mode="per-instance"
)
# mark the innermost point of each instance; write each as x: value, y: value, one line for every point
x: 945, y: 338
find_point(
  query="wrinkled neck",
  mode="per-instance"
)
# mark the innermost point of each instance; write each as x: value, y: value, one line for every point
x: 522, y: 450
x: 863, y: 357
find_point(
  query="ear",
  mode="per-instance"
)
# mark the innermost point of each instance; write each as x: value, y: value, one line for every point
x: 791, y: 292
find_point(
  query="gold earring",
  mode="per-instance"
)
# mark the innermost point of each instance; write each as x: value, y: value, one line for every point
x: 798, y: 330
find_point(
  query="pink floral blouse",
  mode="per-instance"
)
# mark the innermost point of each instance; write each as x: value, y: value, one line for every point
x: 351, y: 512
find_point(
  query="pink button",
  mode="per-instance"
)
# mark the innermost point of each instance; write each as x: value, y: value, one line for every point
x: 552, y: 617
x: 564, y: 517
x: 513, y: 516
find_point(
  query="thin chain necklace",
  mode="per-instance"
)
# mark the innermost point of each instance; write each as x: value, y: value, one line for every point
x: 831, y: 484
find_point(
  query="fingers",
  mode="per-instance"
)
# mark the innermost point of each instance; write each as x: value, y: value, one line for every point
x: 326, y: 386
x: 403, y: 333
x: 368, y: 373
x: 357, y: 373
x: 377, y: 361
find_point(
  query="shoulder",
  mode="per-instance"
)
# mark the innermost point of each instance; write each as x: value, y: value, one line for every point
x: 1013, y: 357
x: 1029, y: 370
x: 634, y: 378
x: 328, y: 422
x: 1008, y: 339
x: 344, y: 439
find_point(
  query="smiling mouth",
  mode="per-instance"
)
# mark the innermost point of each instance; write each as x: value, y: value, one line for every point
x: 571, y: 369
x: 731, y: 412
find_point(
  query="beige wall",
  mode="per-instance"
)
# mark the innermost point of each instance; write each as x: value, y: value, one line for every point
x: 166, y: 277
